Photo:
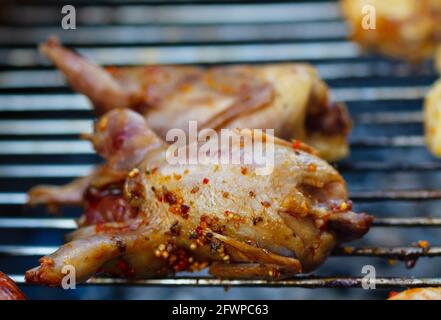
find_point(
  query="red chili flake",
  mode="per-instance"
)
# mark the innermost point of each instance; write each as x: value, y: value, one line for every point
x: 125, y: 269
x: 169, y: 197
x: 244, y: 170
x: 225, y: 194
x: 296, y: 144
x: 184, y: 211
x: 312, y: 167
x: 110, y: 69
x: 205, y: 181
x: 199, y: 231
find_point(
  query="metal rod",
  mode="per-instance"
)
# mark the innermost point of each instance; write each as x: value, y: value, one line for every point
x: 370, y: 118
x: 402, y: 253
x: 408, y: 222
x: 178, y: 14
x: 387, y: 166
x: 406, y: 195
x: 69, y: 224
x: 396, y: 141
x: 196, y: 54
x: 38, y: 223
x: 328, y: 71
x: 310, y: 282
x: 84, y: 147
x: 227, y: 33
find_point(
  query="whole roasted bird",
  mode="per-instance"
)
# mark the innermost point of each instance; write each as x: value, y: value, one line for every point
x: 407, y: 29
x: 146, y: 217
x: 289, y: 98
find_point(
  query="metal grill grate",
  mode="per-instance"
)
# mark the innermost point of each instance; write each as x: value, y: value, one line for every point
x: 40, y: 118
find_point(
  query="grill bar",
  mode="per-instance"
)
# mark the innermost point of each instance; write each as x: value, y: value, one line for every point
x: 170, y: 14
x: 401, y: 253
x: 69, y: 224
x: 112, y: 35
x: 301, y: 282
x: 44, y: 102
x: 388, y: 166
x: 69, y: 127
x: 328, y: 71
x: 84, y: 147
x: 196, y: 54
x: 382, y: 195
x: 408, y: 222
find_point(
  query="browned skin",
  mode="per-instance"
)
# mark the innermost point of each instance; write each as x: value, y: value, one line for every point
x: 165, y: 218
x: 289, y: 98
x: 8, y: 289
x: 407, y: 29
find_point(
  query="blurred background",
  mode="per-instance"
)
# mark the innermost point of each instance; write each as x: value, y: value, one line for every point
x: 41, y: 118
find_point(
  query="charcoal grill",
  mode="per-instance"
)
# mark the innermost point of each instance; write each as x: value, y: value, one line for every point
x: 390, y: 173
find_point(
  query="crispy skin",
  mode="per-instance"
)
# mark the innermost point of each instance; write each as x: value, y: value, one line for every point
x: 407, y: 29
x: 227, y: 216
x: 289, y: 98
x: 418, y: 294
x: 8, y: 289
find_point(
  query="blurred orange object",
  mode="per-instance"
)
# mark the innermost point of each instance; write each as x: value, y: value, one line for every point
x: 417, y: 294
x: 407, y: 29
x: 8, y: 289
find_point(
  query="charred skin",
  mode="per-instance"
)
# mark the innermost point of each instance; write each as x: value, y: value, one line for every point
x: 289, y: 98
x: 8, y: 289
x: 407, y: 29
x: 227, y: 217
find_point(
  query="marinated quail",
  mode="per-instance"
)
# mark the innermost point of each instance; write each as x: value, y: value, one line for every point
x: 148, y: 217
